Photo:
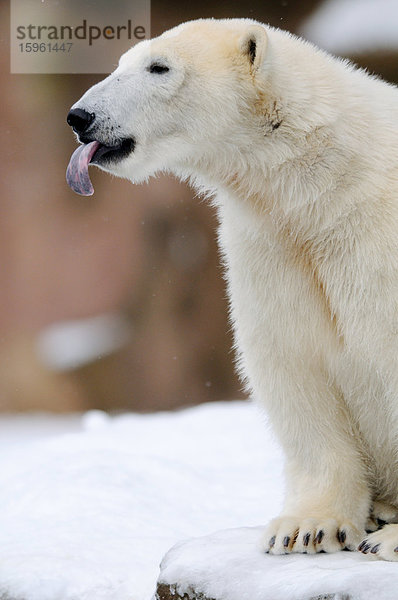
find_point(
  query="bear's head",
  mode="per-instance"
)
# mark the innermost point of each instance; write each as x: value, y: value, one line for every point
x: 174, y: 103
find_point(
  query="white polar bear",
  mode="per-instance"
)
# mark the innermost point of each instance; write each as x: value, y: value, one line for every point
x: 300, y: 152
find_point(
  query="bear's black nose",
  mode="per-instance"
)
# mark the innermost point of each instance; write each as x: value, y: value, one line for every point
x: 79, y: 119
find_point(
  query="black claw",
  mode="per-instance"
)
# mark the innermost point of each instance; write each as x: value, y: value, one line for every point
x: 319, y: 536
x: 396, y: 549
x: 362, y: 544
x: 272, y: 541
x: 381, y: 522
x: 306, y: 539
x: 286, y: 541
x: 366, y: 548
x: 375, y: 549
x: 341, y: 536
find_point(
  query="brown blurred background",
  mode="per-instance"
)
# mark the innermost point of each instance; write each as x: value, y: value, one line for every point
x: 116, y: 301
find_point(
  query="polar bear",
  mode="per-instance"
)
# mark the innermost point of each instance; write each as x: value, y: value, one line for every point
x: 299, y: 152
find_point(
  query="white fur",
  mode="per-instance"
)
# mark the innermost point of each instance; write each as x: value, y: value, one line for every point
x: 300, y: 151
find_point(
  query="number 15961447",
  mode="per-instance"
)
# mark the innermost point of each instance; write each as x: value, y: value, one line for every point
x: 45, y: 47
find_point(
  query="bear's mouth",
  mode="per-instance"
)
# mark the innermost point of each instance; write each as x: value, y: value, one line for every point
x: 109, y: 154
x: 94, y: 152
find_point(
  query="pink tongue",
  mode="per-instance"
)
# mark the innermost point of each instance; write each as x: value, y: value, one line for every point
x: 77, y: 172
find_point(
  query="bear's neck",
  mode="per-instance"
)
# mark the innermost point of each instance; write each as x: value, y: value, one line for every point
x: 295, y: 182
x: 306, y: 169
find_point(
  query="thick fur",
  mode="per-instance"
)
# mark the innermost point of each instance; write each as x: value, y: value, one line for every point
x: 300, y: 152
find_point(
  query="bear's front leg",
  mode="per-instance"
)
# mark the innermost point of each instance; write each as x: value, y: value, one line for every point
x: 327, y: 496
x: 289, y: 349
x: 317, y: 517
x: 310, y: 535
x: 320, y: 515
x: 382, y: 543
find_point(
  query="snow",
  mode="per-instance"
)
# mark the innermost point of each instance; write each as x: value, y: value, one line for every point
x: 354, y: 26
x: 229, y: 565
x: 89, y: 505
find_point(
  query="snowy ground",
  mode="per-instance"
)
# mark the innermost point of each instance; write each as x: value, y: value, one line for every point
x: 89, y: 505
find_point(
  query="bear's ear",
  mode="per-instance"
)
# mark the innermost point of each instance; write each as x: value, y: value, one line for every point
x: 253, y: 44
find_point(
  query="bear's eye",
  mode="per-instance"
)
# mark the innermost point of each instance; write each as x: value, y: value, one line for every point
x: 157, y: 68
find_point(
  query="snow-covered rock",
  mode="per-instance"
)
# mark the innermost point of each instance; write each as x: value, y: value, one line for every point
x: 229, y: 565
x: 169, y: 592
